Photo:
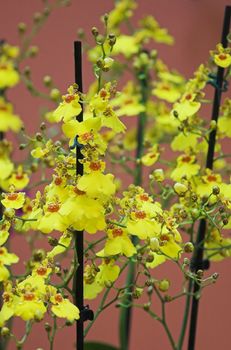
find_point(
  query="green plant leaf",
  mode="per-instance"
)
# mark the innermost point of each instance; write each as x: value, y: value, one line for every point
x: 98, y: 346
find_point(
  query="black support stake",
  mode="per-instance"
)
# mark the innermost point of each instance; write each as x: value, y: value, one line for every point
x: 85, y: 312
x: 197, y: 260
x: 79, y: 234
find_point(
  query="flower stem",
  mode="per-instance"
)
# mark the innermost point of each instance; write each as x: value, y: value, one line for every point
x: 185, y: 318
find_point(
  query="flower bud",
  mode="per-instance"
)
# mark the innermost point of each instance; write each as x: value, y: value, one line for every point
x: 164, y: 285
x: 9, y: 213
x: 47, y: 327
x: 37, y: 17
x: 175, y: 114
x: 47, y: 81
x: 27, y: 71
x: 55, y: 94
x: 137, y: 293
x: 158, y: 175
x: 100, y: 39
x: 46, y: 11
x: 69, y: 323
x: 186, y: 261
x: 108, y: 284
x: 80, y: 33
x: 200, y: 273
x: 150, y: 258
x: 38, y: 255
x: 108, y: 62
x: 215, y: 276
x: 22, y: 27
x: 100, y: 63
x: 43, y: 126
x: 34, y: 167
x: 5, y: 332
x: 38, y: 136
x: 180, y: 189
x: 188, y: 247
x: 33, y: 51
x: 225, y: 221
x: 212, y: 125
x: 22, y: 146
x: 154, y: 244
x: 53, y: 241
x: 149, y: 282
x: 146, y: 306
x: 216, y: 190
x: 105, y: 17
x: 94, y: 31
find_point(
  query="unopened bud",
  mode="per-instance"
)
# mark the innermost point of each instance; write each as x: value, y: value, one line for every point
x: 158, y: 175
x: 108, y: 284
x: 216, y: 190
x: 22, y: 27
x: 38, y: 136
x: 43, y: 126
x: 37, y: 17
x: 33, y: 51
x: 175, y: 113
x: 149, y: 282
x: 200, y: 273
x: 53, y: 241
x: 154, y: 244
x: 100, y: 63
x: 34, y: 167
x: 146, y: 306
x: 95, y: 31
x: 80, y: 33
x: 47, y: 327
x: 188, y: 247
x: 5, y: 332
x: 9, y: 213
x: 47, y: 80
x: 215, y: 276
x: 55, y: 94
x: 22, y: 146
x: 213, y: 125
x: 186, y: 261
x: 100, y: 39
x: 137, y: 293
x: 180, y: 189
x: 27, y: 71
x: 105, y: 17
x: 150, y: 258
x: 164, y: 285
x: 225, y: 221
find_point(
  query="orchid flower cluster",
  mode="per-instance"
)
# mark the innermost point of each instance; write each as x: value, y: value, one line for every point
x: 151, y: 221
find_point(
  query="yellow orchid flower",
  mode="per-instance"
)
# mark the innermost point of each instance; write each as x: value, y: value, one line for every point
x: 185, y: 167
x: 62, y: 307
x: 221, y: 56
x: 9, y: 77
x: 8, y: 120
x: 13, y: 200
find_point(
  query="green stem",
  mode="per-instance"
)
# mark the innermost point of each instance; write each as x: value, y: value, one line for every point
x: 52, y: 336
x: 125, y: 315
x: 185, y: 318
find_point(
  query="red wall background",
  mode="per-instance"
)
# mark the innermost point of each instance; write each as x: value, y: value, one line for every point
x: 196, y: 26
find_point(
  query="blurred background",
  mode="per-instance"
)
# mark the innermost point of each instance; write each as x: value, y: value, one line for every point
x: 196, y: 26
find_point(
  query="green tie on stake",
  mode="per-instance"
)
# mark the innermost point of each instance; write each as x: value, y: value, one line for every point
x: 197, y: 260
